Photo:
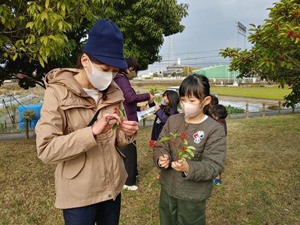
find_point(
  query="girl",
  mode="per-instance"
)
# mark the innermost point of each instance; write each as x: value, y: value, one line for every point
x: 168, y: 107
x: 131, y: 108
x: 75, y: 131
x: 185, y: 185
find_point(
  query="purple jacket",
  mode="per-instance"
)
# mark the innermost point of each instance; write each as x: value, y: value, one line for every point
x: 131, y: 98
x: 160, y: 120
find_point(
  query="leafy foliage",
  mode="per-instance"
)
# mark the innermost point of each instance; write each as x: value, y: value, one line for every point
x: 233, y: 110
x: 179, y: 143
x: 37, y: 36
x: 276, y: 52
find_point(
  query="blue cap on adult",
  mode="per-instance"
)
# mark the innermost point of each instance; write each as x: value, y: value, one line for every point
x: 105, y: 44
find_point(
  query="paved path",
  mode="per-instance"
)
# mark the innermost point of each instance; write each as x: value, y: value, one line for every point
x: 16, y: 136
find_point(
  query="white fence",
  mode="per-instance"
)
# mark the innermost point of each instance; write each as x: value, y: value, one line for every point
x: 14, y: 100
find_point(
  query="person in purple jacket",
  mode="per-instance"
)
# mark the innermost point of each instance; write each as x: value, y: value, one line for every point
x: 167, y: 108
x: 131, y: 108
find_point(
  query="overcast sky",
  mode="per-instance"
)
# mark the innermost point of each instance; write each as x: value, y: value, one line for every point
x: 210, y: 26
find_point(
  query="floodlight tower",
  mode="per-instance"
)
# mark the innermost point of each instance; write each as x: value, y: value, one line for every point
x: 240, y: 29
x: 172, y: 47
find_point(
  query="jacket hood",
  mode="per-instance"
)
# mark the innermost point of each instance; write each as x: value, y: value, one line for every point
x: 65, y: 77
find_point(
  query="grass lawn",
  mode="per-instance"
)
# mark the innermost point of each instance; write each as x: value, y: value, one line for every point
x: 253, y: 92
x: 260, y: 185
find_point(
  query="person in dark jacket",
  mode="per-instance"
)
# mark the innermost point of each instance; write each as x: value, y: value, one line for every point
x: 167, y: 108
x: 131, y: 108
x: 219, y: 113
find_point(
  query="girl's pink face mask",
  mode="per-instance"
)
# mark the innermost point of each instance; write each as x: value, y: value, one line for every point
x: 191, y: 110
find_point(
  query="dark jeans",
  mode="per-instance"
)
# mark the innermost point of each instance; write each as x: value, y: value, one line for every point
x: 130, y: 162
x: 103, y: 213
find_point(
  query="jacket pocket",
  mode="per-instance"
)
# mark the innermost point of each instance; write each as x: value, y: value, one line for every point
x: 73, y: 167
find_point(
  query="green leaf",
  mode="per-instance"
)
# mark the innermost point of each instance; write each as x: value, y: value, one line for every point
x: 163, y: 139
x: 45, y: 58
x: 115, y: 126
x: 46, y: 4
x: 122, y: 113
x: 190, y: 152
x: 185, y: 143
x: 174, y: 135
x: 191, y: 147
x: 30, y: 25
x: 15, y: 57
x: 41, y: 61
x: 60, y: 25
x: 44, y: 15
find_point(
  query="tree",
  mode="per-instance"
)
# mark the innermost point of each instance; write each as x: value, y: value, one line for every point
x: 37, y: 36
x: 275, y: 54
x: 187, y: 70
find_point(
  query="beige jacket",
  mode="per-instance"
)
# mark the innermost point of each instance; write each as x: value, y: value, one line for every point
x: 89, y: 170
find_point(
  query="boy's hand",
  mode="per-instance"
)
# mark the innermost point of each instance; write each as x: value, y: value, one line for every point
x: 181, y: 166
x: 163, y: 161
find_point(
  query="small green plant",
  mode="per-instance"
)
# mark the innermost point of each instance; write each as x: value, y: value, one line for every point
x: 32, y: 219
x: 119, y: 112
x: 157, y: 98
x: 153, y: 91
x: 233, y: 110
x: 179, y: 143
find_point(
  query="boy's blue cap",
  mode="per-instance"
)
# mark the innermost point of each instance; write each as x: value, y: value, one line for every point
x: 105, y: 44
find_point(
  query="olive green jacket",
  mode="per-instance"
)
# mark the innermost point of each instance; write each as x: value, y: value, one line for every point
x: 208, y: 137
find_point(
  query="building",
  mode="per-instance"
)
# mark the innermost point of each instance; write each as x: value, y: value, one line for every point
x: 217, y: 72
x: 175, y: 68
x: 221, y: 74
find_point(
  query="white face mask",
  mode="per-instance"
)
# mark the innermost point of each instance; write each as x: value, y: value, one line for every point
x: 163, y: 102
x: 99, y: 79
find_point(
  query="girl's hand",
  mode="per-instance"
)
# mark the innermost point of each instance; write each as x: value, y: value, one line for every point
x: 103, y: 125
x: 157, y: 107
x: 180, y: 166
x: 151, y: 98
x: 142, y: 108
x: 129, y: 127
x: 163, y: 161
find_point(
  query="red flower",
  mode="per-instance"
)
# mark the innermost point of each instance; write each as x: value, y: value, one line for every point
x: 183, y: 136
x: 183, y: 148
x: 173, y: 142
x: 290, y: 33
x: 152, y: 143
